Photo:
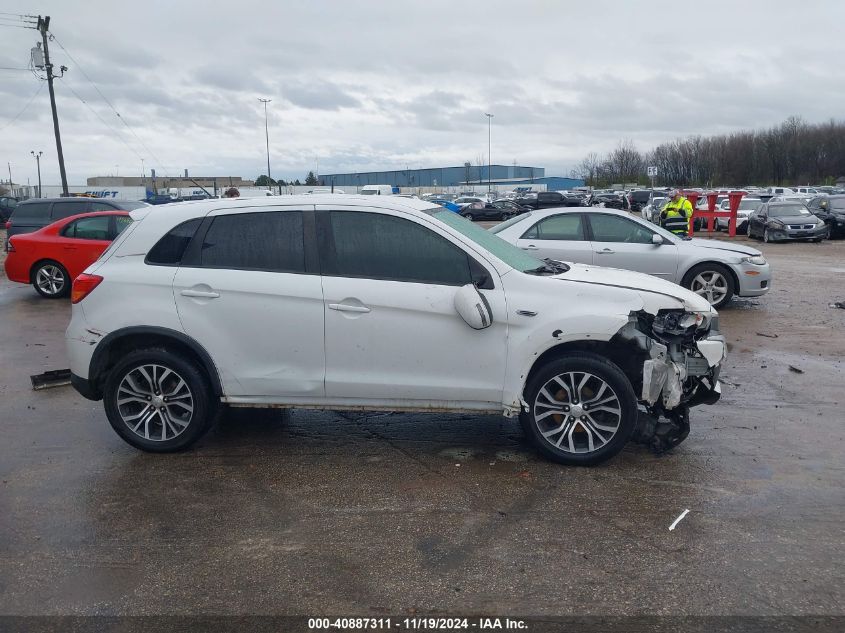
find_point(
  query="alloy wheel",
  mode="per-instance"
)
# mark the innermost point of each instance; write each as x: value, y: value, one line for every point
x: 50, y: 279
x: 155, y: 402
x: 711, y: 285
x: 577, y: 412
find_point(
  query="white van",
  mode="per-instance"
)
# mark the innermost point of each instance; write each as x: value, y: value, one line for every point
x: 377, y: 190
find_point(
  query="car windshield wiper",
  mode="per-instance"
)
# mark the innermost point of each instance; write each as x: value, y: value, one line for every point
x: 550, y: 266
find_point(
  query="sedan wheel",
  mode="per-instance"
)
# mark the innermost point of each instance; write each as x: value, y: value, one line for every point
x: 51, y: 280
x: 711, y: 281
x: 583, y: 410
x: 766, y: 237
x: 158, y: 401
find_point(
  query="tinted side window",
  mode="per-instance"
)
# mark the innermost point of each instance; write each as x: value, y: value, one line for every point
x: 169, y: 249
x: 568, y: 226
x: 376, y: 246
x: 89, y: 228
x: 33, y: 211
x: 67, y: 208
x: 272, y: 241
x: 611, y: 228
x: 102, y: 206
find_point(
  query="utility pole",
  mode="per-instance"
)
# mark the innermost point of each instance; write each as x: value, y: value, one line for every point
x: 38, y: 162
x: 267, y: 140
x: 489, y: 158
x: 10, y: 175
x: 43, y: 26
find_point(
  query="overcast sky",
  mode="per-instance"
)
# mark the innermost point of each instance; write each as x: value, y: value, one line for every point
x: 388, y: 85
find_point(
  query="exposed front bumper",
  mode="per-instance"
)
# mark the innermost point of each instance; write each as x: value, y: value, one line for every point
x: 671, y: 382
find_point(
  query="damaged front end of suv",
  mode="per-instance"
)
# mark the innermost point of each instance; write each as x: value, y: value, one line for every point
x: 674, y: 365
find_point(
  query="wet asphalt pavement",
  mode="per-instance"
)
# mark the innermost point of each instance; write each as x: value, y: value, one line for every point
x: 317, y: 513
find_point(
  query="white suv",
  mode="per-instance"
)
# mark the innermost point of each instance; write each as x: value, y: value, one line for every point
x: 380, y: 303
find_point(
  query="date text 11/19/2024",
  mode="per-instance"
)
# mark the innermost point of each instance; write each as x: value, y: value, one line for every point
x: 416, y: 624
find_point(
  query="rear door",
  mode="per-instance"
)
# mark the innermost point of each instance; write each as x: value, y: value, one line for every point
x: 82, y: 241
x: 249, y: 289
x: 561, y: 236
x: 65, y: 208
x: 619, y: 242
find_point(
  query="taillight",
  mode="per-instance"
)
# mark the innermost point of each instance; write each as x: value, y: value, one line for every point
x: 82, y: 286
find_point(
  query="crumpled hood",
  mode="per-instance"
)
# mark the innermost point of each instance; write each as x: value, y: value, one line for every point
x: 739, y: 249
x: 618, y: 278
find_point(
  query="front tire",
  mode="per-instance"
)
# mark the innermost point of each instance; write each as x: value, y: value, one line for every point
x: 766, y: 237
x: 159, y: 402
x: 713, y: 282
x: 51, y: 280
x: 582, y: 410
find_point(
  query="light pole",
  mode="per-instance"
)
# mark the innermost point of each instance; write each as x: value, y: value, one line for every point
x: 267, y: 140
x: 38, y: 162
x: 489, y: 158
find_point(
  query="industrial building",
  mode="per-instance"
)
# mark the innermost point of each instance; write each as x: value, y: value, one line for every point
x: 169, y: 181
x: 435, y: 176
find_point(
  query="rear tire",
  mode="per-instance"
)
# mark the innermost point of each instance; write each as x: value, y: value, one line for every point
x: 582, y: 410
x: 159, y: 402
x: 51, y: 280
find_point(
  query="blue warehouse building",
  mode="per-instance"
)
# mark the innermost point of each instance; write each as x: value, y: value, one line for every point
x: 438, y: 176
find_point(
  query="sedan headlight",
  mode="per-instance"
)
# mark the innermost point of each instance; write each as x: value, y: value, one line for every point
x: 678, y: 322
x: 759, y: 260
x: 777, y: 224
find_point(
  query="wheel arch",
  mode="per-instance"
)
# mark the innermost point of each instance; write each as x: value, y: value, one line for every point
x: 619, y: 354
x: 115, y: 344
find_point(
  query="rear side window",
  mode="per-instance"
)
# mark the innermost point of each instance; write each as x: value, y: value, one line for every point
x: 102, y: 206
x: 169, y: 249
x: 271, y: 241
x: 377, y: 246
x: 120, y: 223
x: 89, y: 228
x: 65, y: 209
x: 33, y: 211
x: 567, y: 226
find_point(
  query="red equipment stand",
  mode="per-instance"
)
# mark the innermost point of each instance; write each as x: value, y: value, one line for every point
x: 711, y: 214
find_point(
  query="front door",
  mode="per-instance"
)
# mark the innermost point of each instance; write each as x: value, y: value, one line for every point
x: 248, y: 295
x: 619, y: 242
x: 393, y: 337
x: 561, y: 237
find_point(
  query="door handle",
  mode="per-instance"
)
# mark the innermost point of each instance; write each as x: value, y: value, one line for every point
x: 204, y: 294
x: 530, y: 247
x: 343, y: 307
x: 605, y: 251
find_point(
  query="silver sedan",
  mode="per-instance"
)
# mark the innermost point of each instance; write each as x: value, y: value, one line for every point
x: 713, y: 269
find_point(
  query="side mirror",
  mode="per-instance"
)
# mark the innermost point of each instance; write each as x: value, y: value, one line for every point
x: 656, y: 239
x: 473, y: 307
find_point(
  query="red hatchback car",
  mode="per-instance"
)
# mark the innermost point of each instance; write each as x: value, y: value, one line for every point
x: 52, y: 257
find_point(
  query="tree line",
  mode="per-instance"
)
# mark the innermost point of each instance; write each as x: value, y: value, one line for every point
x: 794, y: 152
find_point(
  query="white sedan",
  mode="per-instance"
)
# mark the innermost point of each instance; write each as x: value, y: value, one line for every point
x: 713, y: 269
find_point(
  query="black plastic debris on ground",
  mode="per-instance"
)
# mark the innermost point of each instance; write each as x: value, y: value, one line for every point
x: 55, y: 378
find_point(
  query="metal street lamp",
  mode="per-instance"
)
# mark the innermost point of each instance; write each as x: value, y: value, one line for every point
x: 267, y: 141
x: 38, y: 162
x: 489, y: 158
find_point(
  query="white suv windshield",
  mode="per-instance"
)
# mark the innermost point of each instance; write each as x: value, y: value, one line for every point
x: 508, y: 253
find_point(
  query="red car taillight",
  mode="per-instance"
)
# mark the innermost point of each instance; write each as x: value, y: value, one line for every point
x: 82, y: 286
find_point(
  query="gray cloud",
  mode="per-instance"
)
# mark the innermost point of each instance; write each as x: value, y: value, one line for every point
x: 375, y: 85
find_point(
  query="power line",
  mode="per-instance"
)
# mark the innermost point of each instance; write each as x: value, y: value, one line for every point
x: 97, y: 114
x: 109, y: 103
x: 31, y: 99
x: 10, y: 68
